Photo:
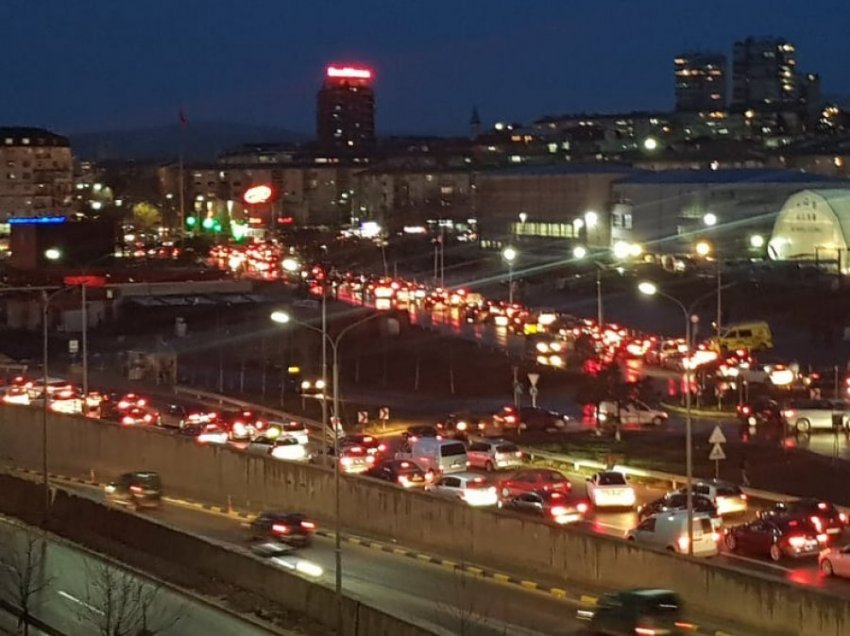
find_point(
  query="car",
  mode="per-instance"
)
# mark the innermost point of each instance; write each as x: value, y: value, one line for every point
x: 823, y: 515
x: 760, y: 412
x: 533, y: 480
x: 212, y: 434
x: 776, y: 537
x: 371, y: 443
x: 726, y: 496
x: 413, y: 433
x: 547, y: 504
x: 398, y: 471
x: 470, y: 488
x: 435, y: 455
x: 460, y: 425
x: 751, y: 336
x: 677, y: 501
x: 507, y: 419
x: 287, y: 448
x: 290, y: 428
x: 646, y: 611
x: 631, y: 412
x: 291, y: 528
x: 129, y: 400
x: 199, y: 418
x: 806, y: 415
x: 669, y: 531
x: 139, y: 489
x: 138, y: 416
x: 533, y: 418
x: 493, y: 454
x: 353, y: 458
x: 172, y: 415
x: 243, y: 425
x: 835, y: 561
x: 313, y: 388
x: 610, y: 489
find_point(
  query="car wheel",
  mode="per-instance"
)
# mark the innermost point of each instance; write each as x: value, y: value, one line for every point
x: 731, y: 544
x: 657, y: 421
x: 803, y: 426
x: 488, y: 467
x: 826, y: 567
x: 775, y: 553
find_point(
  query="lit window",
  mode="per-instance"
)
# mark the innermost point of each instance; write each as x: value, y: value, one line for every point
x: 25, y: 141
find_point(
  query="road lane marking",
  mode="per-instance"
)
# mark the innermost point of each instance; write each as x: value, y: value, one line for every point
x: 74, y: 599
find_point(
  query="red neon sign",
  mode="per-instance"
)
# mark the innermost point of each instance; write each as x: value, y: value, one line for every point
x: 258, y: 194
x: 349, y: 72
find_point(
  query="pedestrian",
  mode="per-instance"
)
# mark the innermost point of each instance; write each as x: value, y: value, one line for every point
x: 745, y: 478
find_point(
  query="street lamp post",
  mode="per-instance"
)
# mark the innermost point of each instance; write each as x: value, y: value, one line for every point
x: 509, y: 254
x: 580, y: 252
x: 282, y: 317
x: 710, y: 220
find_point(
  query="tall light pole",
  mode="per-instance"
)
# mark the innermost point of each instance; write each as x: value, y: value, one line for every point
x: 580, y: 252
x: 282, y: 317
x: 651, y: 289
x: 710, y: 220
x: 509, y: 254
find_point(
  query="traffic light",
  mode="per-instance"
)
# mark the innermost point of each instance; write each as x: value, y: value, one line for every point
x: 208, y: 223
x: 191, y: 221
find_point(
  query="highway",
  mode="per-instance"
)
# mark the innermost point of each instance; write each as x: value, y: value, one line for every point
x: 73, y: 601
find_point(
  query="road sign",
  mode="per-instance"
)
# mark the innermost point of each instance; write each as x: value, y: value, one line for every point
x: 533, y: 391
x: 363, y: 417
x: 717, y: 453
x: 533, y: 378
x: 517, y: 388
x: 717, y: 436
x: 73, y: 346
x: 384, y: 413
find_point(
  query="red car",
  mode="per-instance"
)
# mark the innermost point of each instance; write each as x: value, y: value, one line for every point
x: 533, y: 480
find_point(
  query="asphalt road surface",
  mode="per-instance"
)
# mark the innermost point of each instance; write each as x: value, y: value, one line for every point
x: 73, y: 603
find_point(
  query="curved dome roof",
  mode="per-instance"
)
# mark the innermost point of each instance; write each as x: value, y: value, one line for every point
x: 812, y: 224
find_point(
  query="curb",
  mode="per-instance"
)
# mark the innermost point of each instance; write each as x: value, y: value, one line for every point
x: 717, y: 415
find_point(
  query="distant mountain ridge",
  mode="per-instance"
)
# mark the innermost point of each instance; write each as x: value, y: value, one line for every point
x: 202, y: 141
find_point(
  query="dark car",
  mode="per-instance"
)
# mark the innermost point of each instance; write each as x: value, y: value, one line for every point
x: 824, y: 516
x: 140, y: 489
x: 460, y: 425
x: 292, y: 528
x: 399, y: 471
x: 412, y: 433
x: 371, y: 443
x: 677, y: 501
x: 776, y: 537
x: 760, y: 412
x: 537, y: 419
x: 547, y: 504
x: 637, y: 612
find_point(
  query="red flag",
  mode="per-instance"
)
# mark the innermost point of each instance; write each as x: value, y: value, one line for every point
x: 182, y: 116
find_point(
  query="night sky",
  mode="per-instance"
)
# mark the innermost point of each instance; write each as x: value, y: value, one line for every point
x: 83, y: 65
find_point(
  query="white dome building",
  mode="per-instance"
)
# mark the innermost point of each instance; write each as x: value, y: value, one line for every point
x: 813, y: 225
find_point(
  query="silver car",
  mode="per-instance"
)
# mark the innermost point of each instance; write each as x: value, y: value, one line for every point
x: 805, y: 416
x: 493, y: 454
x: 468, y: 487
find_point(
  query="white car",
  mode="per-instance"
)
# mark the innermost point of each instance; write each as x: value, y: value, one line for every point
x: 290, y: 449
x: 669, y: 531
x: 212, y: 434
x: 493, y: 454
x: 835, y: 561
x: 468, y: 487
x: 292, y: 428
x: 610, y: 489
x: 631, y: 412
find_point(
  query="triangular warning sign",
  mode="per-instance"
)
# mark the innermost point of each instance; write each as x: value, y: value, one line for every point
x: 717, y: 453
x: 717, y: 436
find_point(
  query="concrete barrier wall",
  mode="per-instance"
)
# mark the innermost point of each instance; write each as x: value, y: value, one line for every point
x: 216, y: 475
x: 81, y: 520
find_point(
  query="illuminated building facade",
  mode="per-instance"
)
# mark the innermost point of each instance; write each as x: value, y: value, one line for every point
x: 346, y: 109
x: 764, y: 74
x: 700, y: 82
x: 36, y: 172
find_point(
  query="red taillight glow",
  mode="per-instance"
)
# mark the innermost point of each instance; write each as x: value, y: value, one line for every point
x: 582, y: 507
x: 822, y: 505
x: 346, y: 461
x: 557, y: 511
x: 429, y: 476
x: 842, y: 517
x: 797, y: 541
x: 370, y: 459
x: 127, y: 420
x: 816, y: 522
x: 308, y: 525
x: 645, y: 631
x: 136, y: 489
x: 280, y: 528
x: 822, y: 538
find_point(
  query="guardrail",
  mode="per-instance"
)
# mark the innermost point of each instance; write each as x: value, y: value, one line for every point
x: 208, y: 397
x: 579, y: 464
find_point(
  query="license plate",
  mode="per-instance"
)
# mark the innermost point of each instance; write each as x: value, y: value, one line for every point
x: 615, y: 493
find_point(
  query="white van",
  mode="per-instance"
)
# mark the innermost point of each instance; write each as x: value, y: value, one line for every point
x: 436, y: 455
x: 669, y: 531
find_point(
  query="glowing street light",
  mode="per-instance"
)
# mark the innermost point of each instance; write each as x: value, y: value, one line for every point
x: 579, y: 251
x: 621, y: 250
x: 591, y: 218
x: 280, y: 317
x: 757, y: 241
x: 52, y: 254
x: 650, y: 144
x: 290, y: 265
x: 710, y: 219
x: 703, y: 248
x: 648, y: 288
x: 509, y: 254
x: 523, y: 217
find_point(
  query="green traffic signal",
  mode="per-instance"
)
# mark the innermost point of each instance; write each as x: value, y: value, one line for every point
x: 208, y: 223
x: 191, y: 221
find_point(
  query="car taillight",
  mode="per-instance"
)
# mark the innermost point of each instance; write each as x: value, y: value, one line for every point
x: 816, y: 522
x: 413, y: 438
x: 308, y: 525
x: 582, y: 507
x: 646, y: 631
x: 745, y: 410
x: 557, y: 511
x: 743, y: 497
x: 382, y: 448
x: 123, y: 404
x: 429, y: 477
x: 683, y: 542
x: 345, y: 461
x: 370, y: 459
x: 797, y: 541
x: 126, y: 420
x: 789, y: 413
x: 136, y: 489
x: 280, y: 528
x: 403, y: 480
x: 510, y: 418
x: 842, y: 517
x: 822, y: 538
x: 148, y: 417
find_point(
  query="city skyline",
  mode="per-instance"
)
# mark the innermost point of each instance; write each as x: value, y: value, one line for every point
x: 265, y: 64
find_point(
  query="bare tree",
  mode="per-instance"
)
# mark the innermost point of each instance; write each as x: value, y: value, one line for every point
x: 467, y: 615
x: 117, y: 603
x: 24, y: 575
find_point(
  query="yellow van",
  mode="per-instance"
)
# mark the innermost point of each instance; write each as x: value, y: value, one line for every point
x: 754, y: 336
